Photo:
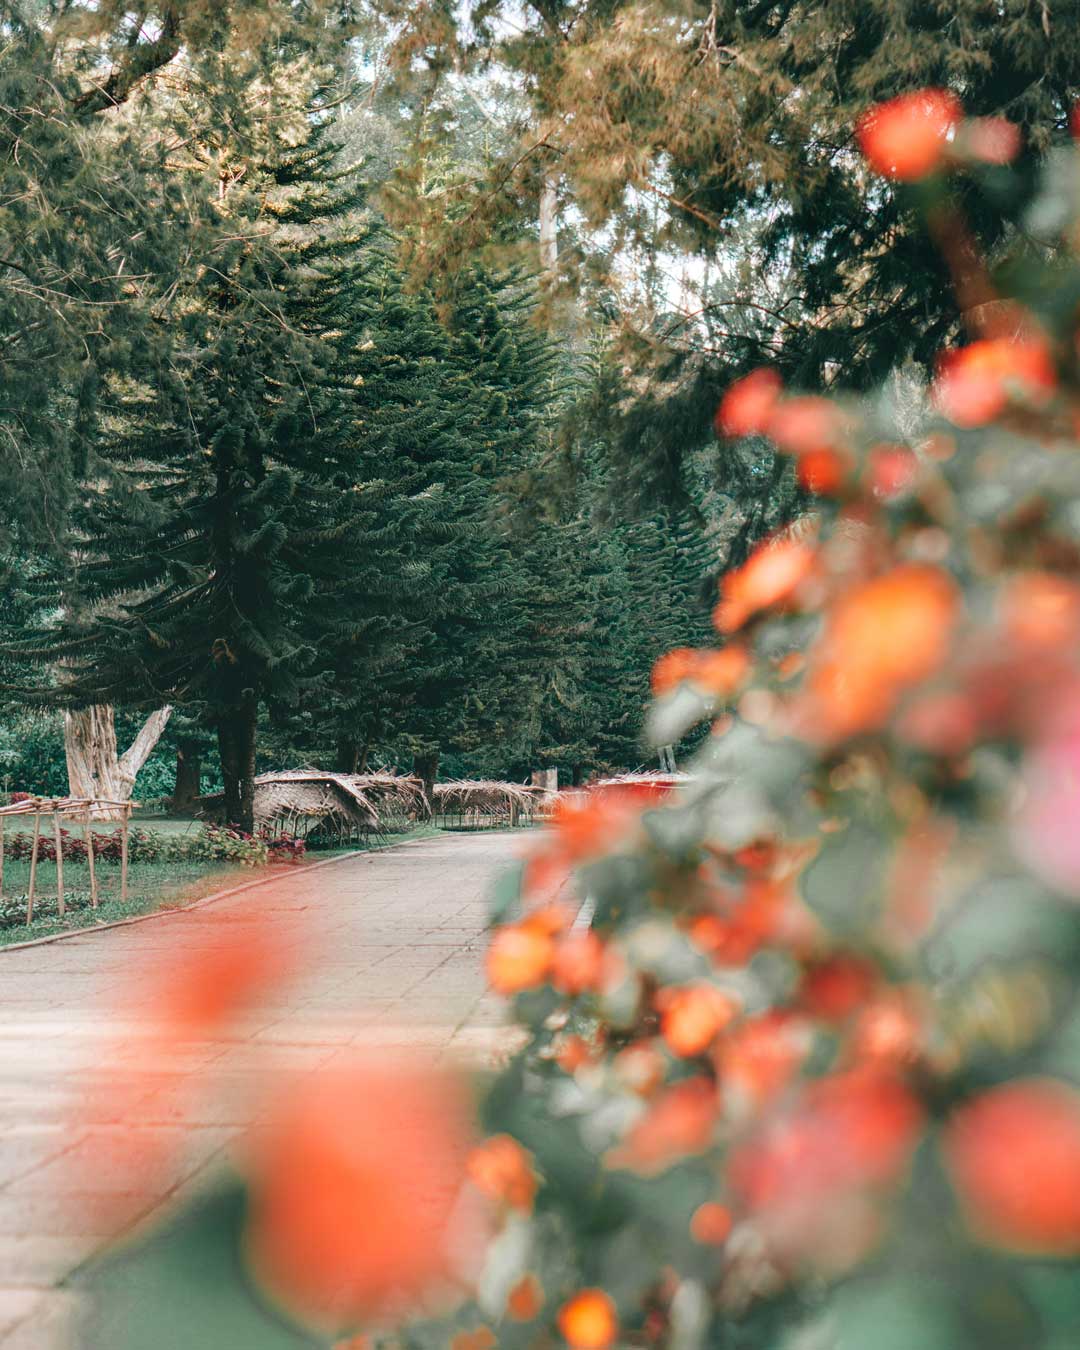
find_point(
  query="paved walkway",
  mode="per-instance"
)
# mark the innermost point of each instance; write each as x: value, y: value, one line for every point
x: 400, y: 942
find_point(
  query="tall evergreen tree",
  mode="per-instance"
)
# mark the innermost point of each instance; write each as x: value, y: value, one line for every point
x: 228, y: 516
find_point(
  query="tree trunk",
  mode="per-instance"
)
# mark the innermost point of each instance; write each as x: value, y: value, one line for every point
x: 93, y: 766
x: 426, y: 768
x: 236, y: 745
x: 549, y: 240
x: 348, y: 755
x: 188, y: 775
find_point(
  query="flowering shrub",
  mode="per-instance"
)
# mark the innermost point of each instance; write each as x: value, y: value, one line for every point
x: 812, y: 1080
x: 209, y: 844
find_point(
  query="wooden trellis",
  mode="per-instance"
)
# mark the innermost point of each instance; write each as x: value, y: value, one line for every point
x: 82, y: 810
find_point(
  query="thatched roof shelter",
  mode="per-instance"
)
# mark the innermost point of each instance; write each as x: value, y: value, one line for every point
x: 298, y: 801
x: 485, y: 798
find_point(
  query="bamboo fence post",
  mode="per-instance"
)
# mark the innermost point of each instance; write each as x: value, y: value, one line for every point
x: 124, y: 853
x: 89, y: 837
x: 59, y: 840
x: 33, y: 868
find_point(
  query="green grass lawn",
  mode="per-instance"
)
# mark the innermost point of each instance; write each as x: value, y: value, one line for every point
x: 151, y: 886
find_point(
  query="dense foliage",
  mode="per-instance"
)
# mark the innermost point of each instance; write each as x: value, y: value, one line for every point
x: 810, y: 1077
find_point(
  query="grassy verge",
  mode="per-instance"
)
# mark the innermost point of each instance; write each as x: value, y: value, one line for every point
x: 151, y: 887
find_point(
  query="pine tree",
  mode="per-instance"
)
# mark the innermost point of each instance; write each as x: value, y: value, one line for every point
x: 230, y: 516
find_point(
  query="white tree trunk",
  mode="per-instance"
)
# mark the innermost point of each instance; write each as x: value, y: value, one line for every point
x: 549, y: 239
x: 94, y: 767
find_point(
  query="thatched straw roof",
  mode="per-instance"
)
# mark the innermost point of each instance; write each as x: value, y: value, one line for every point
x: 485, y: 795
x: 658, y: 777
x: 345, y: 801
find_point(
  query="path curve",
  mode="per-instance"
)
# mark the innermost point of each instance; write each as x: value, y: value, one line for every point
x: 400, y: 936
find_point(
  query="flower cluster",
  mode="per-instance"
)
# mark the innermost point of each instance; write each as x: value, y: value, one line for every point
x: 810, y: 1073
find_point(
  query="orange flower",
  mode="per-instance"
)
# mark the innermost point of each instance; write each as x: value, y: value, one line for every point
x: 481, y: 1338
x: 1040, y: 610
x: 837, y: 987
x: 716, y: 672
x: 770, y: 575
x: 691, y: 1017
x: 678, y: 1123
x: 721, y: 672
x: 907, y: 137
x: 503, y: 1170
x: 849, y: 1130
x: 758, y: 1059
x: 525, y: 1299
x: 821, y: 471
x: 711, y: 1224
x: 975, y: 384
x: 200, y: 985
x: 588, y: 1321
x: 587, y: 825
x: 892, y: 470
x: 672, y: 669
x: 518, y: 958
x: 579, y: 963
x: 940, y: 723
x: 807, y: 425
x: 888, y: 1030
x: 640, y: 1067
x: 573, y: 1053
x: 1014, y: 1158
x: 354, y: 1183
x: 880, y: 637
x: 747, y: 406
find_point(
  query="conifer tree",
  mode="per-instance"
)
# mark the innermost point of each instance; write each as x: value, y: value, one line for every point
x: 229, y: 515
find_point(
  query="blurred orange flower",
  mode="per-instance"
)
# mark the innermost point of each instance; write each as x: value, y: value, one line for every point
x: 579, y: 963
x: 907, y: 137
x: 757, y: 1059
x: 199, y: 985
x: 481, y: 1338
x: 354, y: 1183
x: 504, y: 1172
x: 770, y: 575
x: 880, y: 637
x: 678, y: 1123
x: 1039, y: 609
x: 693, y: 1015
x: 711, y: 1223
x: 973, y: 385
x: 525, y: 1299
x: 889, y: 1029
x: 640, y: 1067
x: 822, y: 471
x: 519, y: 957
x: 854, y: 1129
x: 573, y: 1052
x: 835, y: 988
x: 1014, y: 1158
x: 588, y: 1321
x: 891, y: 470
x: 715, y: 671
x: 747, y: 406
x: 807, y: 425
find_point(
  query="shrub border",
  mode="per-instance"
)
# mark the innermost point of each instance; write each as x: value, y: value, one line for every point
x: 206, y: 899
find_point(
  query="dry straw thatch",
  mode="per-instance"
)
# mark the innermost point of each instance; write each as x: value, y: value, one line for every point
x: 299, y: 801
x: 485, y: 799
